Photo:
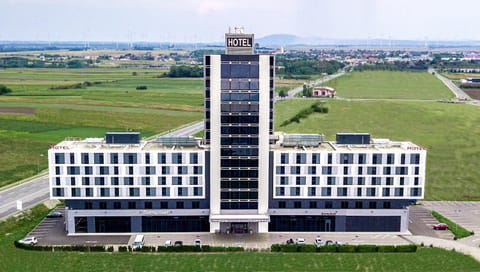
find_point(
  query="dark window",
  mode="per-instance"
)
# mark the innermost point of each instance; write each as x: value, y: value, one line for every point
x: 163, y: 205
x: 358, y: 204
x: 117, y: 205
x: 328, y: 205
x: 114, y: 158
x: 344, y: 204
x: 284, y: 158
x: 98, y: 158
x: 179, y: 205
x: 297, y: 204
x: 387, y: 205
x: 372, y: 205
x: 147, y: 158
x: 193, y: 158
x: 195, y: 204
x: 132, y: 205
x: 102, y: 205
x: 282, y: 205
x: 60, y: 158
x: 414, y: 158
x: 313, y: 205
x: 148, y: 205
x: 88, y: 205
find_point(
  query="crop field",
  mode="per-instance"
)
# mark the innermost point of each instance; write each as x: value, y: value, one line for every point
x: 449, y: 132
x: 390, y: 85
x: 46, y: 106
x: 13, y: 259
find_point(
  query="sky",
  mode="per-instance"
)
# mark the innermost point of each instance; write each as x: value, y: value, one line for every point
x: 208, y: 20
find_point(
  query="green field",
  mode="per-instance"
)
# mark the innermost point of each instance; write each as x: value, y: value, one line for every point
x: 449, y: 132
x: 390, y: 85
x: 109, y: 103
x: 13, y: 259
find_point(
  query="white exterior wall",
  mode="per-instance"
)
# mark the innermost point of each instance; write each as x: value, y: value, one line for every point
x: 338, y: 173
x: 215, y: 135
x: 65, y: 179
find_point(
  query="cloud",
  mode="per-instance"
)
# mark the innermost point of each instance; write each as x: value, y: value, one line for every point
x: 207, y: 7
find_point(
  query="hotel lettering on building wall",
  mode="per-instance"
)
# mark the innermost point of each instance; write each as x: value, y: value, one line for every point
x: 242, y: 176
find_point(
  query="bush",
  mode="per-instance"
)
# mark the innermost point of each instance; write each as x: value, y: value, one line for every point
x: 387, y: 249
x: 4, y: 89
x: 110, y: 249
x: 148, y: 249
x: 367, y: 248
x: 406, y: 248
x: 141, y: 87
x: 122, y: 249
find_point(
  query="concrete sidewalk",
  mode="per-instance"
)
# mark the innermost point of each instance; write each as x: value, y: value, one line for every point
x: 457, y: 245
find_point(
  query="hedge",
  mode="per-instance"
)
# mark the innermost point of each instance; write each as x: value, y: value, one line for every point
x: 343, y: 248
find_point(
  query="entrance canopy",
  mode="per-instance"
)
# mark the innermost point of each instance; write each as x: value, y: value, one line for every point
x: 225, y: 218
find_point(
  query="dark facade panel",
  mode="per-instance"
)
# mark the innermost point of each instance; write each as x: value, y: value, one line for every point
x: 225, y: 57
x: 122, y: 137
x: 353, y: 138
x: 301, y: 223
x: 372, y: 223
x: 175, y: 224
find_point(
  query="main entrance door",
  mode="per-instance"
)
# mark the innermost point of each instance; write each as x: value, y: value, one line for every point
x: 239, y: 227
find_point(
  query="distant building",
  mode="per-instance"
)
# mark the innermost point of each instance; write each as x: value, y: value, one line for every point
x: 324, y: 91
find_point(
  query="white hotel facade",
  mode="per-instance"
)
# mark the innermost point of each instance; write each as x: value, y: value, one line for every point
x: 242, y: 177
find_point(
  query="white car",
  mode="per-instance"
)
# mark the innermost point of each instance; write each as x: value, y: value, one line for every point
x: 300, y: 241
x: 168, y: 243
x: 31, y: 240
x: 197, y: 242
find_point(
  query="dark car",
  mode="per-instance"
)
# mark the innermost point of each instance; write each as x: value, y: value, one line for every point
x: 440, y: 226
x: 54, y: 215
x: 178, y: 243
x: 290, y: 241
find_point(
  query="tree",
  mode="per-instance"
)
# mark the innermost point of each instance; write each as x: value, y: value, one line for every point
x: 4, y: 90
x: 282, y: 93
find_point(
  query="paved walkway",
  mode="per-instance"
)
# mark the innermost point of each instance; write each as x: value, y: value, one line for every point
x: 447, y: 244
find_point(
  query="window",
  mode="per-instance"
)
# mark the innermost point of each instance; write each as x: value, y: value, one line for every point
x: 280, y: 170
x: 134, y: 191
x: 114, y: 158
x: 180, y: 205
x: 389, y: 181
x: 297, y: 204
x: 372, y: 205
x: 193, y: 158
x: 282, y: 205
x: 329, y: 158
x: 312, y: 191
x: 88, y: 205
x: 165, y: 170
x: 105, y: 192
x: 162, y: 158
x: 347, y: 180
x: 60, y: 158
x: 150, y: 170
x: 402, y: 181
x: 326, y: 170
x: 176, y: 180
x: 163, y: 205
x: 326, y: 191
x: 295, y: 191
x: 361, y: 180
x: 360, y: 170
x: 104, y: 170
x: 88, y: 192
x: 177, y: 158
x: 117, y: 191
x: 85, y: 159
x: 346, y: 158
x: 345, y: 170
x: 398, y: 191
x: 117, y: 205
x: 377, y: 159
x: 73, y: 170
x: 313, y: 205
x: 376, y: 180
x: 295, y: 170
x: 315, y: 180
x: 401, y: 170
x: 102, y: 205
x: 414, y: 158
x: 416, y: 170
x: 150, y: 191
x: 342, y: 191
x: 300, y: 181
x: 197, y: 170
x: 148, y: 205
x: 328, y: 205
x: 402, y: 159
x: 283, y: 180
x: 386, y: 192
x: 344, y: 204
x: 147, y: 158
x: 371, y: 191
x: 182, y: 170
x: 371, y: 170
x: 284, y: 158
x: 132, y: 205
x: 280, y: 191
x: 195, y: 204
x: 162, y: 181
x: 315, y: 158
x: 197, y: 191
x: 98, y: 158
x: 387, y: 205
x: 301, y: 158
x: 57, y: 170
x: 193, y: 180
x: 312, y: 170
x: 358, y: 204
x: 387, y: 170
x: 359, y: 191
x: 88, y: 170
x: 165, y: 191
x: 75, y: 192
x: 331, y: 180
x: 362, y: 158
x: 85, y: 181
x: 129, y: 158
x: 390, y: 158
x: 128, y: 181
x: 99, y: 181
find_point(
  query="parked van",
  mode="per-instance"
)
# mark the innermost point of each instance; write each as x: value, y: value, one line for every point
x: 138, y: 242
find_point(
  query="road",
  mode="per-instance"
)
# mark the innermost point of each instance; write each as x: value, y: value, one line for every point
x: 461, y: 95
x: 36, y: 190
x: 293, y: 92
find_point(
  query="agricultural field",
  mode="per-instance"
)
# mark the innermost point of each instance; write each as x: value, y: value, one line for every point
x: 449, y: 132
x: 390, y: 85
x: 47, y: 105
x: 13, y: 259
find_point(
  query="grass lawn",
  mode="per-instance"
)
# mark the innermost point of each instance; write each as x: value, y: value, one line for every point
x: 113, y: 104
x: 390, y: 85
x: 449, y: 132
x: 13, y: 259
